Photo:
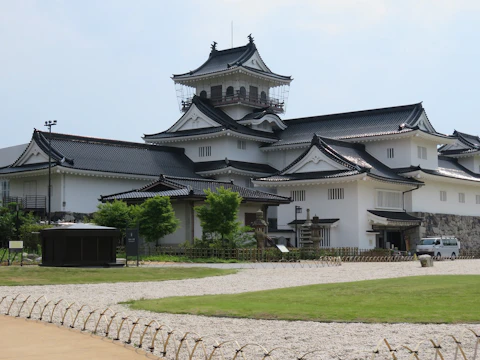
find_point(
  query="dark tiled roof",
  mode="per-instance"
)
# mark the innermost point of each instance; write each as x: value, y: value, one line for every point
x: 259, y: 113
x: 321, y: 221
x: 24, y: 168
x: 352, y: 157
x: 465, y: 144
x: 217, y: 115
x: 447, y: 167
x: 196, y: 189
x: 376, y: 122
x: 86, y: 153
x: 227, y: 59
x: 240, y: 165
x: 395, y: 215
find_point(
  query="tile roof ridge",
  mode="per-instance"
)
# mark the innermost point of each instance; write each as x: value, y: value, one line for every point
x: 104, y: 141
x: 353, y: 113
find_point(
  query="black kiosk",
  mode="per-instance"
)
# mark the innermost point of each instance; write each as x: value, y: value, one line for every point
x: 79, y: 245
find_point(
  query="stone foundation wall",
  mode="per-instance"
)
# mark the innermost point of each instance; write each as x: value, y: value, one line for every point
x: 464, y: 228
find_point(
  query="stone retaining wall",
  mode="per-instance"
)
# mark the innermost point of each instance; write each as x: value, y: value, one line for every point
x: 464, y: 228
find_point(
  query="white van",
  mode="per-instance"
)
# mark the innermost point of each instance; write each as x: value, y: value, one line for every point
x: 445, y: 246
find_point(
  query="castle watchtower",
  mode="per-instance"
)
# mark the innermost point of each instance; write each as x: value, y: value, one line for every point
x: 236, y: 80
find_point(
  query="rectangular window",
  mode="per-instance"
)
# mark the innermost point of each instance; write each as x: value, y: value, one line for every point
x: 443, y: 195
x: 253, y: 93
x: 216, y: 92
x: 204, y: 151
x: 461, y: 197
x: 4, y: 190
x: 478, y: 199
x: 335, y: 194
x: 390, y: 153
x: 422, y: 152
x: 389, y: 199
x: 297, y: 195
x: 241, y: 144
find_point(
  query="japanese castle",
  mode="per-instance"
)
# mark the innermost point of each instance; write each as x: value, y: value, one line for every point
x: 379, y: 178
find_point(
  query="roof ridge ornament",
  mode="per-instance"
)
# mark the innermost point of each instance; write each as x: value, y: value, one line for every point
x: 250, y: 39
x: 213, y: 48
x: 315, y: 139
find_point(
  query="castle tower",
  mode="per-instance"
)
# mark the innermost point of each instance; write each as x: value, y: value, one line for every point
x: 235, y: 80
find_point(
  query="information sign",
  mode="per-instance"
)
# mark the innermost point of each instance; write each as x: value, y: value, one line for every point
x: 16, y: 245
x: 132, y: 242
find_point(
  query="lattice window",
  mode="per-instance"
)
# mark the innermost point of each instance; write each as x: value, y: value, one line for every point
x: 443, y: 195
x: 390, y: 153
x: 461, y: 198
x: 241, y: 145
x: 389, y: 199
x: 204, y: 151
x: 336, y: 194
x: 297, y: 195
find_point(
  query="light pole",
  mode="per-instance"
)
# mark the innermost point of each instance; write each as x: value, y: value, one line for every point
x: 49, y: 124
x: 298, y: 210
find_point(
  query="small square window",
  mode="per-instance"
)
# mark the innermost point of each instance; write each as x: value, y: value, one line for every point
x: 461, y: 197
x: 297, y: 195
x: 241, y: 144
x: 390, y: 153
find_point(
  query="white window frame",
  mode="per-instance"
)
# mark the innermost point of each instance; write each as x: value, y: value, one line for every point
x: 204, y: 151
x: 297, y: 195
x: 461, y: 198
x: 390, y: 153
x: 380, y: 199
x: 443, y: 195
x: 336, y: 194
x: 422, y: 152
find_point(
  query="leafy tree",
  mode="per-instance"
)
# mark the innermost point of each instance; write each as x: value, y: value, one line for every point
x: 12, y: 220
x: 157, y: 218
x: 116, y: 214
x: 219, y: 219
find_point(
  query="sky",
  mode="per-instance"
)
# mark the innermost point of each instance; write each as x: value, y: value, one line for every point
x: 103, y: 68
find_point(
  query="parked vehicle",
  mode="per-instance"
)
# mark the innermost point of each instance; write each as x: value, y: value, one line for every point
x: 445, y: 246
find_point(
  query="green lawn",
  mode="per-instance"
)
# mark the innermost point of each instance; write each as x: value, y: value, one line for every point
x: 420, y: 299
x: 34, y: 275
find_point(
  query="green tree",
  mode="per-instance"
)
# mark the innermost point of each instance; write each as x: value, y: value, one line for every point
x: 116, y: 214
x: 157, y: 218
x: 219, y: 219
x: 12, y: 221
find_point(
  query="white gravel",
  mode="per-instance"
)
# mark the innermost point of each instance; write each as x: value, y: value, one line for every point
x: 342, y: 340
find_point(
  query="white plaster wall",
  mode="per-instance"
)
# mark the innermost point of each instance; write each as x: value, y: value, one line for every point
x: 81, y: 193
x: 280, y: 159
x: 432, y: 155
x: 427, y: 198
x: 182, y: 234
x: 346, y: 233
x: 223, y: 147
x: 472, y: 163
x: 378, y: 149
x: 237, y: 111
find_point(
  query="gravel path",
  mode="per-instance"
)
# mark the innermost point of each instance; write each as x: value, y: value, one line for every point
x: 334, y: 339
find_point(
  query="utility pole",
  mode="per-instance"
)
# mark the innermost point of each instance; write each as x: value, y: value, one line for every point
x: 49, y: 124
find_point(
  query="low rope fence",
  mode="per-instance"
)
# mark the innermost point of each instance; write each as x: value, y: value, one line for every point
x: 166, y: 342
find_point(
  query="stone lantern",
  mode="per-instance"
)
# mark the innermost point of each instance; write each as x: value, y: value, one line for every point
x: 315, y: 232
x: 260, y: 226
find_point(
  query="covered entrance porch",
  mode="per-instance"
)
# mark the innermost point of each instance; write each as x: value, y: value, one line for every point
x: 393, y: 230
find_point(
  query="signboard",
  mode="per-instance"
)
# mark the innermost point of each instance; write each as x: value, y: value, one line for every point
x: 132, y: 242
x: 15, y: 245
x: 282, y: 248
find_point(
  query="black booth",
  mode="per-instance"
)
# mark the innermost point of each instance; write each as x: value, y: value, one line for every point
x: 79, y: 245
